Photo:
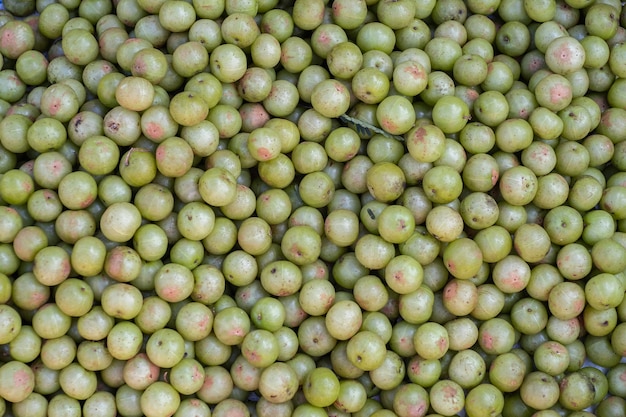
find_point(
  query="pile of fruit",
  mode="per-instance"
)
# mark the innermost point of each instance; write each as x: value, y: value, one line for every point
x: 367, y: 208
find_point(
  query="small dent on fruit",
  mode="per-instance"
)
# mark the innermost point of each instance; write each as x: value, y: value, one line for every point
x: 113, y: 126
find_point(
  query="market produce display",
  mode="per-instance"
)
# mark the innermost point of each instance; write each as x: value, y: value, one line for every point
x: 276, y: 208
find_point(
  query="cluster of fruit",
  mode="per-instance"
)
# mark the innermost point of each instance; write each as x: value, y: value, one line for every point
x: 367, y: 208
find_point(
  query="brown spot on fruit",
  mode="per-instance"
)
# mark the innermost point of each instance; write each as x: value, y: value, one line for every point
x: 154, y: 130
x: 449, y: 391
x: 487, y: 340
x: 558, y: 92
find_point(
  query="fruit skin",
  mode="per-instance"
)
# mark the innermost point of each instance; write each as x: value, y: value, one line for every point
x: 484, y: 399
x: 321, y: 387
x: 18, y: 381
x: 450, y: 114
x: 395, y: 115
x: 385, y: 181
x: 330, y: 98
